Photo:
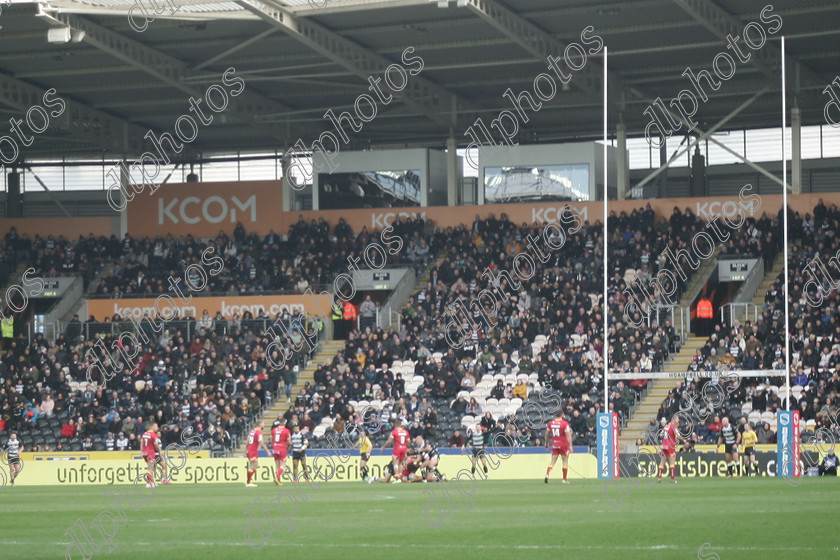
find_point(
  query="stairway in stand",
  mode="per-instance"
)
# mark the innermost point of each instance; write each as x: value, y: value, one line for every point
x: 769, y: 278
x: 649, y: 406
x: 327, y: 352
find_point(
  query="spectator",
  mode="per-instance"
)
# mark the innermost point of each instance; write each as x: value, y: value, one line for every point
x: 828, y: 467
x: 765, y: 434
x: 459, y: 406
x: 474, y: 408
x: 498, y: 391
x: 122, y: 443
x: 47, y: 406
x: 30, y: 414
x: 367, y: 312
x: 652, y: 433
x: 488, y: 424
x: 457, y: 439
x: 415, y: 429
x: 521, y: 390
x: 222, y: 438
x: 69, y: 429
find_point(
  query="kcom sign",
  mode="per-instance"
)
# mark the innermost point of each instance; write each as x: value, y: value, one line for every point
x: 212, y: 209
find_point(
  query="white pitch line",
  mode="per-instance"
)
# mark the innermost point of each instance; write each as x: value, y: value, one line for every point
x: 461, y: 546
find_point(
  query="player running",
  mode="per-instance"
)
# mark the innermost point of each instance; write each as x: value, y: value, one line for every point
x: 13, y: 448
x: 400, y: 437
x: 365, y: 447
x: 151, y: 452
x: 670, y: 436
x: 749, y: 439
x: 255, y: 442
x: 299, y: 445
x: 476, y: 441
x: 280, y: 440
x: 561, y: 445
x: 729, y: 438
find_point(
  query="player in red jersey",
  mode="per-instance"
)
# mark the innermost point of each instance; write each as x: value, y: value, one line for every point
x: 280, y: 441
x: 670, y: 436
x: 561, y: 444
x: 400, y: 437
x: 151, y: 451
x: 255, y: 442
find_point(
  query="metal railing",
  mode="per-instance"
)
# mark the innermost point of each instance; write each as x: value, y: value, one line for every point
x: 679, y: 316
x: 50, y: 329
x: 741, y: 311
x: 398, y: 297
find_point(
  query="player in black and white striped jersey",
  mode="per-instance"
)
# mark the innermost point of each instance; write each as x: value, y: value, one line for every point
x: 476, y: 439
x: 12, y: 450
x: 299, y: 445
x: 429, y: 459
x: 730, y: 438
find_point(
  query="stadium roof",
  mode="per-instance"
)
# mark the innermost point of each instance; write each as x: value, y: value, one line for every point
x: 299, y: 59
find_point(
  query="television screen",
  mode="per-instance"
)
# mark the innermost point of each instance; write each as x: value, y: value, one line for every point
x: 369, y: 189
x: 536, y: 183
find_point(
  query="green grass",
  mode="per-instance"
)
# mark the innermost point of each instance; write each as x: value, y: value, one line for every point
x: 740, y: 518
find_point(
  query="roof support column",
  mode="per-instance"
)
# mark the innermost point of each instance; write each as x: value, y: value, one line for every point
x: 796, y: 149
x: 451, y: 170
x: 621, y: 162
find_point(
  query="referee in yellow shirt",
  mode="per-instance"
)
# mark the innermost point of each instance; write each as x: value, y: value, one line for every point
x: 749, y: 439
x: 365, y: 447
